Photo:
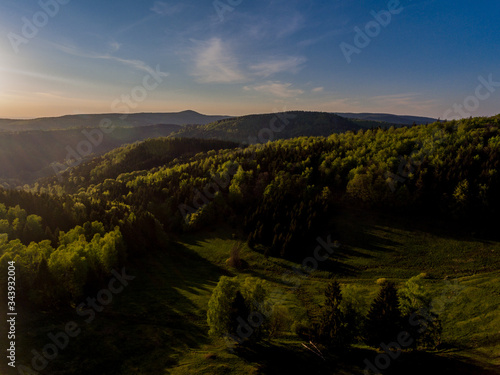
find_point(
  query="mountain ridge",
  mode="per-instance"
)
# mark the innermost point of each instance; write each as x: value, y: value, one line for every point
x: 388, y: 117
x: 118, y: 119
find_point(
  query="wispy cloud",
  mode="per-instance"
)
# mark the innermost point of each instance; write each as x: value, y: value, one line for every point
x: 134, y: 64
x: 278, y: 89
x: 139, y: 22
x: 137, y: 64
x: 293, y: 24
x: 114, y: 46
x: 214, y: 63
x: 340, y: 30
x: 318, y: 89
x: 42, y: 76
x: 290, y: 64
x: 264, y: 26
x: 165, y: 9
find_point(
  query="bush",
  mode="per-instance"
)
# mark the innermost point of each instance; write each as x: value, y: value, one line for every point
x: 280, y: 321
x: 237, y: 311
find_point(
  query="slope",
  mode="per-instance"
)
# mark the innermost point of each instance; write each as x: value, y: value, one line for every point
x: 119, y: 120
x: 268, y: 127
x: 27, y: 156
x: 390, y: 118
x: 136, y: 157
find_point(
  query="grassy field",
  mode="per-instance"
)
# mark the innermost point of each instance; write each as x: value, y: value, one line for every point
x: 157, y: 325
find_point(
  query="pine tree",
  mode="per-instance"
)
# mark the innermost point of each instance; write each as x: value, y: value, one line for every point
x: 384, y: 318
x: 336, y: 329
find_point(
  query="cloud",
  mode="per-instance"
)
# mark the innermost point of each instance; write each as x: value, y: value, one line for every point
x: 290, y: 64
x: 214, y: 63
x: 114, y: 46
x: 318, y: 89
x: 165, y: 9
x: 292, y: 25
x: 270, y: 26
x: 43, y: 76
x: 134, y: 64
x: 138, y: 65
x: 278, y: 89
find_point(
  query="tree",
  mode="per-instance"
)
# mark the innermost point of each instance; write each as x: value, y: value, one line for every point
x: 383, y: 322
x: 336, y: 329
x: 422, y: 324
x: 33, y: 229
x: 233, y: 308
x: 413, y: 296
x: 219, y: 306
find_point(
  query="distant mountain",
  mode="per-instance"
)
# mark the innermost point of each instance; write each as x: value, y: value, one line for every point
x: 27, y: 156
x: 392, y: 119
x: 261, y: 128
x: 119, y: 120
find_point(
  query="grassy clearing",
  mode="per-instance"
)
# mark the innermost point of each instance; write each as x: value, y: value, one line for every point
x: 158, y: 323
x: 372, y: 248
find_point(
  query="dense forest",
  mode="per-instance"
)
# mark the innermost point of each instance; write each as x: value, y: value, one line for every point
x: 254, y: 129
x: 281, y: 193
x: 66, y: 234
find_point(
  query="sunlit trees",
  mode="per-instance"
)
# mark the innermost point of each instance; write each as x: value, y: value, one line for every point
x: 221, y: 305
x: 238, y: 311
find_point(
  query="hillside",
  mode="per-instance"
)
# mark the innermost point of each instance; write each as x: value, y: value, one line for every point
x: 261, y: 128
x: 135, y: 157
x: 415, y: 206
x: 118, y: 120
x: 389, y: 118
x: 27, y: 156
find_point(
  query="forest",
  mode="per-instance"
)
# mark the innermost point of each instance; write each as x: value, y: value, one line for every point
x: 269, y: 203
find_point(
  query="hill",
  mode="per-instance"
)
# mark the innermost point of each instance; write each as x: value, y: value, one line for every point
x: 118, y: 120
x: 389, y: 118
x: 262, y: 128
x: 29, y: 155
x: 135, y: 157
x: 289, y: 217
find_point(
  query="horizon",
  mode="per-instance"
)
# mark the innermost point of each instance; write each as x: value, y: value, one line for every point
x: 249, y: 58
x: 213, y: 114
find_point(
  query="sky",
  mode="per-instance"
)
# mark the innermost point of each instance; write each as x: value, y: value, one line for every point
x: 437, y: 58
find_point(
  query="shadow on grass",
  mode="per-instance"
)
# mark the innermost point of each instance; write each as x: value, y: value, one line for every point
x: 158, y: 317
x: 284, y: 358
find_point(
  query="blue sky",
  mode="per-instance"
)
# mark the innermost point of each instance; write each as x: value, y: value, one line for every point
x: 249, y: 57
